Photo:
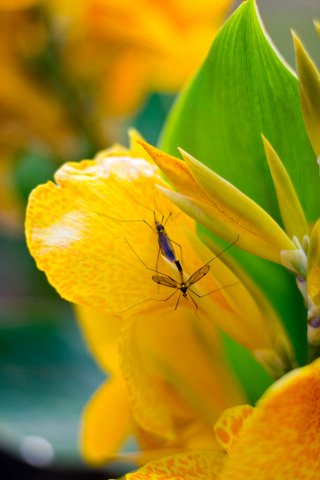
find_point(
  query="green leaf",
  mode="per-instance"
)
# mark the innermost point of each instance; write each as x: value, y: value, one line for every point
x: 242, y: 90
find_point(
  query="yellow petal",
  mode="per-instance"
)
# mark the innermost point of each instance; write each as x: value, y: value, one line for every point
x: 228, y: 428
x: 177, y: 172
x: 162, y: 373
x: 222, y: 208
x: 101, y: 333
x: 290, y: 206
x: 313, y: 274
x: 280, y: 439
x: 106, y: 422
x: 201, y: 465
x: 309, y: 83
x: 256, y: 229
x: 317, y: 26
x: 253, y: 321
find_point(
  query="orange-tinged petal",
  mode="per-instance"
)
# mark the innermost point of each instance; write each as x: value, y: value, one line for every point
x: 201, y: 465
x: 177, y: 172
x: 280, y: 439
x: 106, y: 422
x: 229, y: 425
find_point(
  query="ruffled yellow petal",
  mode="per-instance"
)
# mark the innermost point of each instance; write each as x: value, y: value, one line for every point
x: 101, y: 333
x: 309, y: 83
x: 280, y: 439
x: 89, y: 233
x: 290, y: 206
x: 228, y: 428
x: 106, y: 422
x: 221, y: 207
x: 203, y: 465
x: 157, y: 365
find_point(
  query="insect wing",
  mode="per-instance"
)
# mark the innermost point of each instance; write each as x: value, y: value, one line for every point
x: 166, y: 281
x: 196, y: 276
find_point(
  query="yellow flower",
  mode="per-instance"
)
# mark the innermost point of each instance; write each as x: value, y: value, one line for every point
x: 221, y: 207
x: 88, y: 232
x: 122, y: 49
x: 107, y: 56
x: 278, y: 439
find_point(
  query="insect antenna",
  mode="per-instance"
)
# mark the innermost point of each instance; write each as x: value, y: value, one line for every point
x: 214, y: 290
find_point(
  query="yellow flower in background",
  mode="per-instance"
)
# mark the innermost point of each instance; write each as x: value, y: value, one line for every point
x: 278, y: 439
x: 71, y: 66
x: 88, y: 232
x: 31, y: 113
x: 122, y: 50
x: 32, y: 117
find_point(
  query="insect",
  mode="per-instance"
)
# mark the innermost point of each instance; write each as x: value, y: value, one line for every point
x: 165, y: 245
x: 185, y: 285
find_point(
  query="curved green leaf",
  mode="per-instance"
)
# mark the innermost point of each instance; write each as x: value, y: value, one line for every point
x: 242, y: 90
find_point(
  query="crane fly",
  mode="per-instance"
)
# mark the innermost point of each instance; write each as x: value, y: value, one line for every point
x: 183, y: 286
x: 165, y: 244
